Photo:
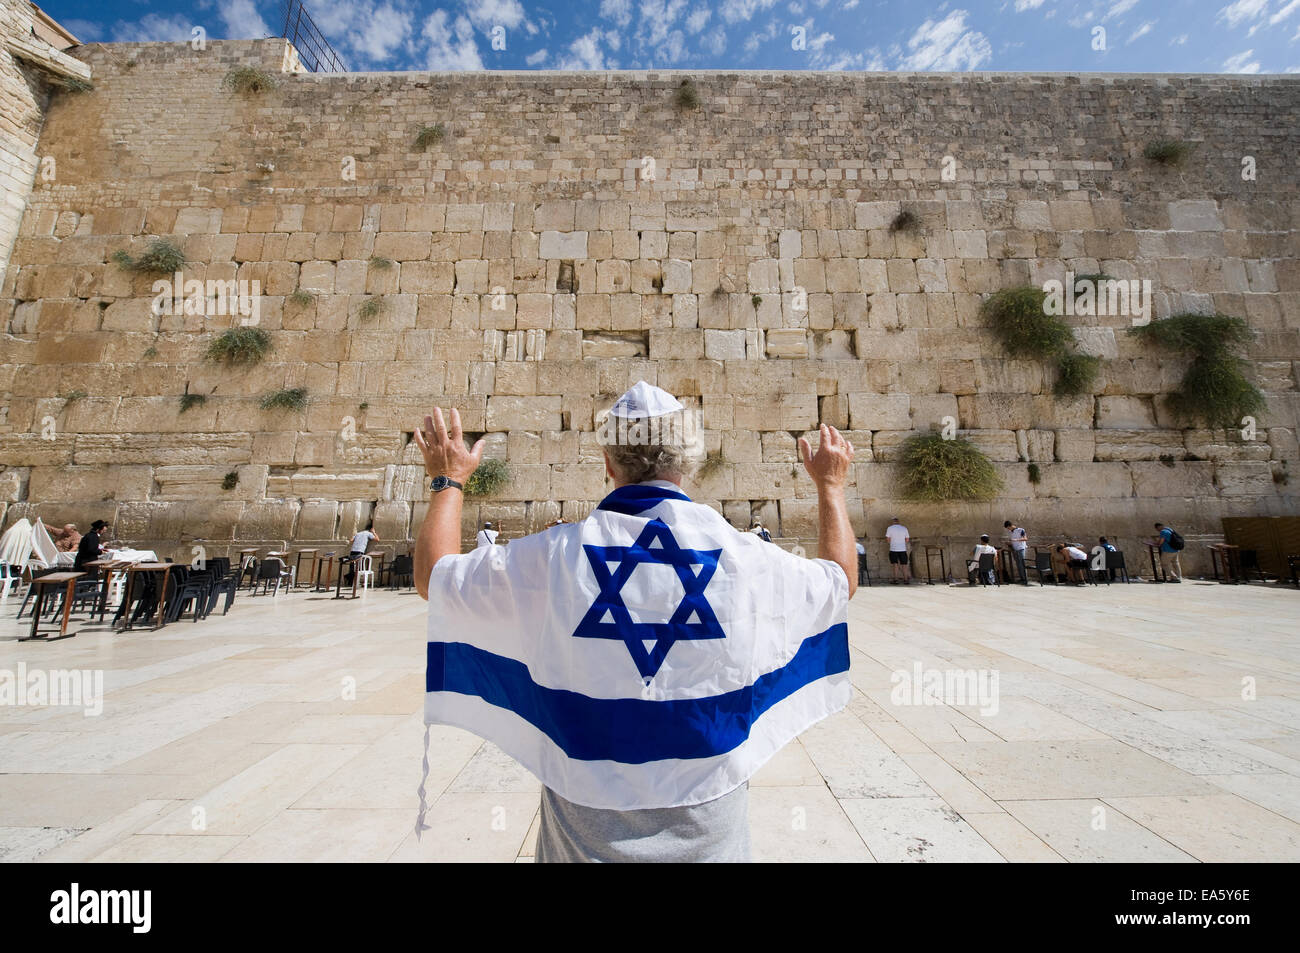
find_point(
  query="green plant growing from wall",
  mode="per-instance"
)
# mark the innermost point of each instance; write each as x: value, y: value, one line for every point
x: 756, y: 301
x: 72, y: 396
x: 301, y: 298
x: 249, y: 80
x: 1168, y: 152
x: 1019, y: 319
x: 1214, y: 390
x: 230, y: 480
x: 192, y: 400
x: 687, y: 96
x: 1075, y: 374
x: 932, y: 469
x: 293, y: 398
x: 713, y: 462
x: 380, y: 262
x: 430, y: 136
x: 490, y: 475
x: 162, y: 257
x: 150, y: 351
x: 371, y: 308
x: 364, y: 405
x: 1035, y: 474
x: 241, y: 345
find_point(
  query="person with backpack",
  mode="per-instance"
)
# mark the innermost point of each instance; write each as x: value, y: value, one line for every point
x: 1171, y: 544
x: 761, y: 532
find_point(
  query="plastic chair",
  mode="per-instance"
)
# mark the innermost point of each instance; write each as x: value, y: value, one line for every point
x: 988, y: 569
x: 1043, y: 566
x: 365, y: 575
x: 402, y: 567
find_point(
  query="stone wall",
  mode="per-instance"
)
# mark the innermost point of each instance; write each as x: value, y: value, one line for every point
x: 22, y: 105
x: 536, y: 270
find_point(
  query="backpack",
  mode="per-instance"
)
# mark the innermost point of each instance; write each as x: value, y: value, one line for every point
x: 1176, y: 542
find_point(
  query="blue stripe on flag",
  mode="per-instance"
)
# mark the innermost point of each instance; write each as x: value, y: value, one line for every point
x: 632, y: 730
x: 638, y: 497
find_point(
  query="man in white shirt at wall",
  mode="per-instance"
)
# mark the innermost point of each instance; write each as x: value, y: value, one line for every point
x: 982, y: 548
x: 487, y: 536
x: 899, y: 543
x: 1019, y: 540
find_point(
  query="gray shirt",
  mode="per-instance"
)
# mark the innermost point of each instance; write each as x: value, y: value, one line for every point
x: 716, y: 831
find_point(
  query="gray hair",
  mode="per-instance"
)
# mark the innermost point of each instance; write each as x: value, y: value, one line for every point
x: 637, y: 463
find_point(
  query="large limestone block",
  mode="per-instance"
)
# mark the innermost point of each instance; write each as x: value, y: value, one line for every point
x: 581, y: 481
x: 1194, y: 215
x: 1226, y: 446
x: 880, y: 411
x: 524, y: 413
x: 212, y: 520
x: 319, y: 484
x: 90, y: 483
x: 1125, y: 413
x: 1079, y: 480
x: 1184, y: 478
x: 998, y: 445
x: 1138, y: 444
x: 1245, y: 479
x: 985, y: 411
x: 268, y: 519
x: 32, y: 450
x: 565, y: 245
x: 796, y: 411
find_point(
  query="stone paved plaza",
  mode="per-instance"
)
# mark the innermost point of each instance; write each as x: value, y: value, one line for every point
x: 1121, y: 734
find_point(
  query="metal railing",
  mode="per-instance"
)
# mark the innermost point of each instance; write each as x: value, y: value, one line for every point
x: 314, y: 51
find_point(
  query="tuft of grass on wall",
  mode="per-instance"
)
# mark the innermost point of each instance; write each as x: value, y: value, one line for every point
x: 1167, y: 152
x: 1214, y: 391
x: 430, y: 136
x: 301, y: 298
x: 931, y: 469
x: 74, y: 84
x: 491, y: 475
x: 1035, y: 474
x: 230, y: 480
x: 380, y: 262
x: 756, y: 301
x: 162, y: 257
x: 192, y: 400
x: 687, y: 96
x: 249, y: 80
x: 1076, y: 374
x: 241, y: 345
x: 1017, y: 318
x: 371, y: 308
x: 294, y: 398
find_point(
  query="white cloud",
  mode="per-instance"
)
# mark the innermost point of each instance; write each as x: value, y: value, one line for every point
x: 1285, y: 12
x: 754, y: 40
x: 1241, y: 11
x: 242, y: 20
x: 700, y: 16
x: 585, y: 53
x: 946, y: 45
x: 1121, y: 7
x: 485, y: 14
x: 1241, y: 63
x: 451, y: 46
x: 716, y: 40
x: 382, y: 33
x: 1179, y: 40
x: 850, y: 5
x: 153, y: 27
x: 536, y: 59
x: 657, y: 18
x: 620, y: 11
x: 1141, y: 31
x: 734, y: 11
x: 1023, y: 5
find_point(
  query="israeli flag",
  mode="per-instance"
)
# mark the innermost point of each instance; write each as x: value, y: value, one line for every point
x: 648, y: 656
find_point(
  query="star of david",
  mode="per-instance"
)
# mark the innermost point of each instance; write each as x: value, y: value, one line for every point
x: 609, y: 618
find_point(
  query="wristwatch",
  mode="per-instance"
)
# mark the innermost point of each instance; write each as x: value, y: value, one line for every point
x: 441, y: 483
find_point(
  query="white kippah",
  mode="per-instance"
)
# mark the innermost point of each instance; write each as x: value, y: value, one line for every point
x: 645, y: 400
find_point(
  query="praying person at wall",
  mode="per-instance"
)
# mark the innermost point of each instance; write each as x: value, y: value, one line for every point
x: 643, y: 662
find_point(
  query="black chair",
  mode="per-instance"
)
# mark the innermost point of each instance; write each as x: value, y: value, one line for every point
x: 864, y: 573
x: 1248, y: 561
x: 223, y: 582
x: 402, y: 567
x: 31, y: 590
x: 1043, y: 566
x: 271, y: 569
x: 988, y: 569
x: 1115, y: 566
x: 1293, y: 564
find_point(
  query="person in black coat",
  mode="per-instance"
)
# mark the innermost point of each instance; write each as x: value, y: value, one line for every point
x: 88, y: 550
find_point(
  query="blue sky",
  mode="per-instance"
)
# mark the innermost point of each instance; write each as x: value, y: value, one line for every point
x: 1211, y: 36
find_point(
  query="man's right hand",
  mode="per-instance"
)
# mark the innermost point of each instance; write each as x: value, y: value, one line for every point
x: 829, y: 466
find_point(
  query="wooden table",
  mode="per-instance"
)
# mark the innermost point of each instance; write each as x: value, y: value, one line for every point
x: 325, y: 562
x: 131, y: 572
x: 930, y: 552
x: 1231, y: 561
x: 69, y: 582
x: 297, y: 568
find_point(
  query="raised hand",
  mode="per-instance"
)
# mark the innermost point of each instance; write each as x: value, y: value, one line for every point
x: 443, y: 448
x: 829, y: 466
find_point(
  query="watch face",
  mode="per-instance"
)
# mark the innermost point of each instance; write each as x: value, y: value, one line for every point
x: 439, y: 483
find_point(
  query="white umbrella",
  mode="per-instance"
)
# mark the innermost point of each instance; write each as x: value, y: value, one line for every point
x: 16, y: 543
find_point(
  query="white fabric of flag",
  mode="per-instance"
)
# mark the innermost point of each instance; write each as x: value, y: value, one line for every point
x: 648, y: 656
